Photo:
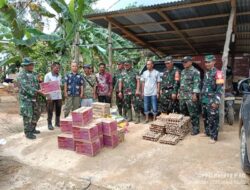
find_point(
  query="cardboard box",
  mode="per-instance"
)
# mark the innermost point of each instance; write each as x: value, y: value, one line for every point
x: 66, y: 124
x: 88, y: 148
x: 121, y: 134
x: 110, y: 141
x: 101, y: 141
x: 109, y: 127
x: 101, y: 109
x: 86, y: 133
x: 65, y: 141
x: 82, y: 116
x: 50, y: 86
x: 99, y: 126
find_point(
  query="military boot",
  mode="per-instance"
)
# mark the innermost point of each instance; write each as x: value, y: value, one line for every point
x: 129, y: 115
x: 30, y: 135
x: 137, y: 118
x: 34, y: 129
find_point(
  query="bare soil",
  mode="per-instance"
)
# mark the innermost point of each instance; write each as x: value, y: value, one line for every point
x: 135, y: 164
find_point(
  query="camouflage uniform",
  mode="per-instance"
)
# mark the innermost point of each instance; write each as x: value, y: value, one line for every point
x: 189, y: 85
x: 211, y: 93
x: 119, y: 101
x: 129, y: 81
x: 89, y: 86
x: 169, y: 86
x: 28, y: 101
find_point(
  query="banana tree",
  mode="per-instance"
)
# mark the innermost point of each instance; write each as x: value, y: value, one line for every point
x: 19, y: 33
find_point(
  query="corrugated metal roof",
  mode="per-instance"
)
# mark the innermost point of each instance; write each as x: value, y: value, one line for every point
x: 202, y: 23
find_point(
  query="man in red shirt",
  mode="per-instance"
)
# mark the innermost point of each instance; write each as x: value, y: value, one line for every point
x: 104, y: 84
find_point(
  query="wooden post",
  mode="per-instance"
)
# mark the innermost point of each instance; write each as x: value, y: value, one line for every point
x: 225, y: 61
x: 110, y: 45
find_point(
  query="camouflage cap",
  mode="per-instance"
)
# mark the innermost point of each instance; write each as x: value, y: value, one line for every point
x: 120, y: 62
x: 87, y: 66
x: 168, y: 59
x: 27, y: 61
x: 186, y: 59
x: 209, y: 58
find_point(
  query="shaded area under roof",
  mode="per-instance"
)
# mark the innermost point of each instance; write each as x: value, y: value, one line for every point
x: 182, y: 27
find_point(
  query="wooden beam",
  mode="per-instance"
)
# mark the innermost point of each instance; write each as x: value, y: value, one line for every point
x: 132, y: 36
x: 144, y: 24
x: 157, y: 33
x: 177, y: 30
x: 110, y: 45
x: 243, y: 33
x: 184, y: 20
x: 189, y: 38
x: 185, y: 30
x: 233, y: 5
x: 201, y: 18
x: 167, y: 8
x: 218, y: 42
x: 225, y: 59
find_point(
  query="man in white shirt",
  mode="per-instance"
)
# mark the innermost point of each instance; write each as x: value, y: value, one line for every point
x: 150, y: 89
x: 54, y: 99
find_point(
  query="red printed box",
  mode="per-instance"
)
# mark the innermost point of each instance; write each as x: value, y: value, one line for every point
x: 87, y: 133
x: 88, y: 148
x: 51, y: 86
x: 66, y: 124
x: 99, y: 126
x: 82, y: 116
x: 101, y: 140
x: 109, y: 127
x: 110, y: 141
x: 65, y: 141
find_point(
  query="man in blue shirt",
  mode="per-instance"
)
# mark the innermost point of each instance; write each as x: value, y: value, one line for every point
x: 73, y: 89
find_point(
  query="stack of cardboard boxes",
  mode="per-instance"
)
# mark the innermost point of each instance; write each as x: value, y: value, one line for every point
x: 86, y: 135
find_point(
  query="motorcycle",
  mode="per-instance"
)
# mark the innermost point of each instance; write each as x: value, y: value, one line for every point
x: 229, y: 108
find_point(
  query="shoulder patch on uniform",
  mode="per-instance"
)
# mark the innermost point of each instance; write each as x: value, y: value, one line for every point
x: 219, y: 77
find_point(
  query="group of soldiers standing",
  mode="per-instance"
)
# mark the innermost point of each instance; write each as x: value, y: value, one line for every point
x: 177, y: 91
x: 180, y: 92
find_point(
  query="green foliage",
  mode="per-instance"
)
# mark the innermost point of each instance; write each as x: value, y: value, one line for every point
x: 27, y: 39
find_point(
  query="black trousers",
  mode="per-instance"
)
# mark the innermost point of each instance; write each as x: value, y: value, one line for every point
x: 51, y: 104
x: 104, y: 99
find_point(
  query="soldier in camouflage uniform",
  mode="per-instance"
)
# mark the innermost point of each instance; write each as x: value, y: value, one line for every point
x: 89, y: 88
x: 28, y: 91
x: 189, y: 92
x: 169, y: 88
x: 211, y: 96
x: 119, y: 73
x: 130, y: 84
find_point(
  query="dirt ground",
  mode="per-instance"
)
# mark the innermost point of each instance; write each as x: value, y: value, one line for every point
x: 135, y: 164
